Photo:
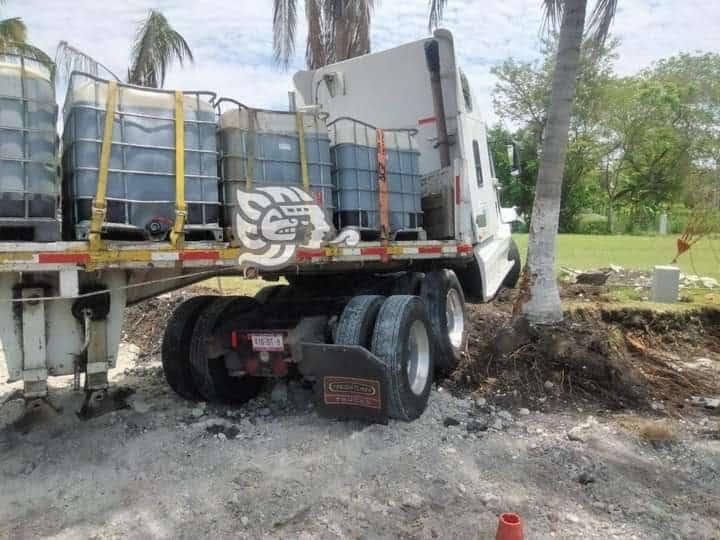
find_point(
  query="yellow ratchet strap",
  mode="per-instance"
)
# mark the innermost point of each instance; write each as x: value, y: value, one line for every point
x: 99, y: 205
x: 299, y: 125
x: 177, y: 234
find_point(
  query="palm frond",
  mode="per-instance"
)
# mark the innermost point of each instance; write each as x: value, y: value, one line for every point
x: 156, y: 45
x: 552, y: 15
x: 436, y: 8
x: 284, y: 24
x: 13, y: 30
x: 601, y: 19
x: 69, y: 59
x: 28, y: 51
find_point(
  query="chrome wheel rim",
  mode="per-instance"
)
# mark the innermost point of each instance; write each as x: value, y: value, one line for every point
x: 418, y: 364
x: 455, y: 318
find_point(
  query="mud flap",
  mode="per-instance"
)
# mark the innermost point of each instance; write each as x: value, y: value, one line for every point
x: 351, y: 381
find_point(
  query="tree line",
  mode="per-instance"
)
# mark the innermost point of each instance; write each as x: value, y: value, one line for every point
x: 638, y: 145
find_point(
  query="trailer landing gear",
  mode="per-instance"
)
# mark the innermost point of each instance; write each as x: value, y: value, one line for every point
x: 31, y: 413
x: 103, y: 401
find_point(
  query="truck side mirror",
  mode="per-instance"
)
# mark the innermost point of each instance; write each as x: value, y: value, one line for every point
x: 514, y: 159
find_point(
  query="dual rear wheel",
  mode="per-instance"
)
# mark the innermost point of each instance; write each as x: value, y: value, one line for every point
x: 397, y: 331
x: 193, y: 362
x: 414, y: 336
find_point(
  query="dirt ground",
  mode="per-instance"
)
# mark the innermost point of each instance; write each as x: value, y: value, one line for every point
x: 567, y: 450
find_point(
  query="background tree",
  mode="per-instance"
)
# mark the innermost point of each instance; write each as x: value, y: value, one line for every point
x: 157, y: 45
x: 522, y: 96
x: 516, y: 191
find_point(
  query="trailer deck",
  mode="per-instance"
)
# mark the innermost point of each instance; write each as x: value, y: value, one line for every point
x: 56, y: 256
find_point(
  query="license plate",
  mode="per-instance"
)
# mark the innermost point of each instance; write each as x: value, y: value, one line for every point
x: 267, y: 342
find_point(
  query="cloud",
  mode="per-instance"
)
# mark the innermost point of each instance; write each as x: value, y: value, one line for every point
x: 232, y: 41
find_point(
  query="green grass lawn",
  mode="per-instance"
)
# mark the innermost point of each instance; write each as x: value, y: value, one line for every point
x: 579, y: 251
x: 637, y: 252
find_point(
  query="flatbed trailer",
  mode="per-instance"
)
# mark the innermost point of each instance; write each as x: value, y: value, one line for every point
x: 62, y: 304
x: 369, y: 323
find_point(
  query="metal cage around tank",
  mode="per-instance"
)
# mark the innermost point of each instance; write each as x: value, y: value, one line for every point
x: 260, y: 147
x: 29, y: 179
x: 354, y: 151
x: 142, y: 186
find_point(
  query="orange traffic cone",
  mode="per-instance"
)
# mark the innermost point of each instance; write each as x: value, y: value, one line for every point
x: 509, y: 527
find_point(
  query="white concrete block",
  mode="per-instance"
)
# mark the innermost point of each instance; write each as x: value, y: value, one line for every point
x: 666, y: 284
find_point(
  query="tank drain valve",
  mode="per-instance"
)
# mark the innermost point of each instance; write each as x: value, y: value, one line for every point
x: 157, y: 229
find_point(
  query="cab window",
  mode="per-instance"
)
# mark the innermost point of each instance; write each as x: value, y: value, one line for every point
x: 478, y: 163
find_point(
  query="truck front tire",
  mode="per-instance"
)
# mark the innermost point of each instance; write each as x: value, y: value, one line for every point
x: 401, y: 339
x: 514, y: 274
x: 445, y: 301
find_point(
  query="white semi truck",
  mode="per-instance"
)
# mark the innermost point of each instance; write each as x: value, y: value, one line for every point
x: 368, y: 321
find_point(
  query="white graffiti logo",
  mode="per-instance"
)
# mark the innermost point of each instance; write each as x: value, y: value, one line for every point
x: 271, y: 222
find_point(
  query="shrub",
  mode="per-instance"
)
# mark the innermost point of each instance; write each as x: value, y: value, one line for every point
x: 592, y: 224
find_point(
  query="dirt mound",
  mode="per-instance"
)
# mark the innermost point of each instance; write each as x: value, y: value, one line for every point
x: 617, y: 357
x: 145, y: 322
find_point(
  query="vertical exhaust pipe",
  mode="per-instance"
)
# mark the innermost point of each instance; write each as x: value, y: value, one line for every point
x: 432, y: 57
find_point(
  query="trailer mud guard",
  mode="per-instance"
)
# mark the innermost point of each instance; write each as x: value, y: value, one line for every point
x: 351, y: 381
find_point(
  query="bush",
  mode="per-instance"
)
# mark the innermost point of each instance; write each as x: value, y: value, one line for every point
x: 592, y: 224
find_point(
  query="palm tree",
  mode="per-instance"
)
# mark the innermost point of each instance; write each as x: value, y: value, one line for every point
x: 539, y: 297
x: 12, y: 30
x: 13, y: 39
x: 337, y: 29
x: 156, y: 46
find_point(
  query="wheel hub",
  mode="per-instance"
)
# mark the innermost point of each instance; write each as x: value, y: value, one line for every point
x: 455, y: 317
x: 418, y: 364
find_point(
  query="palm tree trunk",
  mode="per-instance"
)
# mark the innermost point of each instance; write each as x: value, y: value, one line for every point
x: 540, y: 299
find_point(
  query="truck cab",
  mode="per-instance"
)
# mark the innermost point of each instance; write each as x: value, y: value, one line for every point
x: 393, y: 89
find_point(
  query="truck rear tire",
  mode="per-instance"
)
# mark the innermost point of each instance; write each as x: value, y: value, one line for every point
x: 408, y: 283
x: 514, y: 274
x: 401, y: 339
x: 471, y: 280
x: 211, y: 378
x: 445, y: 303
x: 357, y: 321
x: 266, y: 294
x: 175, y: 345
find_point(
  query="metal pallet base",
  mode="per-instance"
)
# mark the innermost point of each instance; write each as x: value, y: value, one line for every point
x: 29, y: 231
x: 131, y: 234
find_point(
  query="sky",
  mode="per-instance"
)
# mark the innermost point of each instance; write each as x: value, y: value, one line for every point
x: 232, y: 39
